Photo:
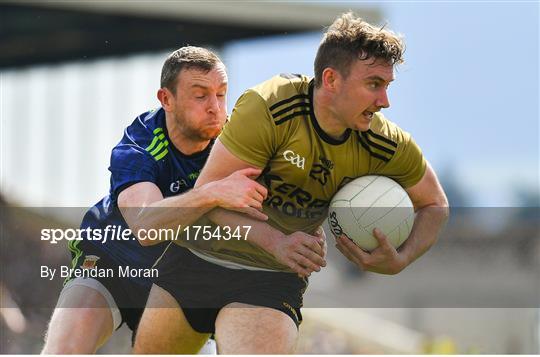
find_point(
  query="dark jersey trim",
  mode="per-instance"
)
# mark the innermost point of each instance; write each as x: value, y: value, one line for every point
x: 382, y: 138
x: 289, y: 108
x: 368, y: 149
x: 290, y: 116
x: 377, y: 146
x: 288, y: 100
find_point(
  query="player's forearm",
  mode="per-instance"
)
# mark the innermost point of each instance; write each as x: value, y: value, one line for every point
x: 428, y: 223
x: 261, y: 234
x: 171, y: 213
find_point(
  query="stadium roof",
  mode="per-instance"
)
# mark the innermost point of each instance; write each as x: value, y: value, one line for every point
x: 35, y: 32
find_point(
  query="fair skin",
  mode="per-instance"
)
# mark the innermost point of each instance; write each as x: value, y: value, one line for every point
x: 164, y: 329
x: 80, y: 309
x: 171, y: 332
x: 346, y: 102
x: 192, y: 120
x: 248, y: 329
x: 243, y: 329
x: 175, y: 335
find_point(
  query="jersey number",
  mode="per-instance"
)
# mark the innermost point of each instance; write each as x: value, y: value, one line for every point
x: 319, y: 173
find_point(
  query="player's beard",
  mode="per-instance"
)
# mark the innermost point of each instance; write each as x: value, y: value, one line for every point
x: 197, y: 133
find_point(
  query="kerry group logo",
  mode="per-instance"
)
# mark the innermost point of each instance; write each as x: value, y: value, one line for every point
x: 294, y: 159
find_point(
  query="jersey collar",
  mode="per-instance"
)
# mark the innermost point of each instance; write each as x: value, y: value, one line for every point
x: 322, y: 134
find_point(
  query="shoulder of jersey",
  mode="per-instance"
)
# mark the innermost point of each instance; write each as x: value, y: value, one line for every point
x: 148, y: 132
x: 382, y: 139
x: 286, y: 96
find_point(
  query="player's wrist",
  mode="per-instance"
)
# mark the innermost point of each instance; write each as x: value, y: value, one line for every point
x: 405, y: 255
x: 270, y: 241
x: 208, y: 195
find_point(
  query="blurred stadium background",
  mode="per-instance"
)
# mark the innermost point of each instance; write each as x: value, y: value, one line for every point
x: 74, y: 74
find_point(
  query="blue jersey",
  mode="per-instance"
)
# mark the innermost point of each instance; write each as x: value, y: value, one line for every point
x: 145, y: 154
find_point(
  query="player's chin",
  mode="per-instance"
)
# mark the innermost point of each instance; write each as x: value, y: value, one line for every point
x: 211, y: 132
x: 362, y: 126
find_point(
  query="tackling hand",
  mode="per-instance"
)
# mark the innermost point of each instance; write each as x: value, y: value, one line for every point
x: 239, y: 192
x: 301, y: 252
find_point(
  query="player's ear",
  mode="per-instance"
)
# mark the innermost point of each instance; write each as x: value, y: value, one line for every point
x: 330, y: 77
x: 166, y: 99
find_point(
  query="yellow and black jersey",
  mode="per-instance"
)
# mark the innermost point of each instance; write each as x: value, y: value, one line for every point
x: 273, y: 126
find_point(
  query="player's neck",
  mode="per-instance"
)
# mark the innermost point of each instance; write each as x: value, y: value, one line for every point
x: 186, y: 144
x: 326, y: 118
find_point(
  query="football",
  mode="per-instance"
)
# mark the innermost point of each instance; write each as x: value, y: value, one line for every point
x: 370, y: 202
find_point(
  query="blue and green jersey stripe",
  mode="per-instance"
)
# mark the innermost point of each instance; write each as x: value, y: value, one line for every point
x: 158, y: 146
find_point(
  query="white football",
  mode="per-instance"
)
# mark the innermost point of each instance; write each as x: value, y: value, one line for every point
x: 371, y: 202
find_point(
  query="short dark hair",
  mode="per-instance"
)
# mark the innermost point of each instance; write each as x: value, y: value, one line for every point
x: 350, y: 38
x: 188, y: 57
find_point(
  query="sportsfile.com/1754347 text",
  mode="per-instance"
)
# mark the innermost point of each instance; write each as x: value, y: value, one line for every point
x: 119, y: 233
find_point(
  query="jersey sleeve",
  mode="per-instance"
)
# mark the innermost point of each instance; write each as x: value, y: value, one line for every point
x: 130, y: 164
x: 250, y: 134
x: 408, y: 165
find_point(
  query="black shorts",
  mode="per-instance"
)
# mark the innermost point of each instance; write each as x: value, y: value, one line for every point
x: 130, y: 297
x: 202, y: 288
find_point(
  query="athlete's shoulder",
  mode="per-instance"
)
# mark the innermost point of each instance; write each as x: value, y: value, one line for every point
x: 283, y: 96
x: 383, y: 139
x: 283, y: 87
x: 387, y: 131
x: 146, y: 134
x: 146, y: 123
x: 145, y: 127
x: 396, y: 147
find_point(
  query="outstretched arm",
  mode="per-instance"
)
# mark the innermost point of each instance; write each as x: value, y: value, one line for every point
x: 142, y: 205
